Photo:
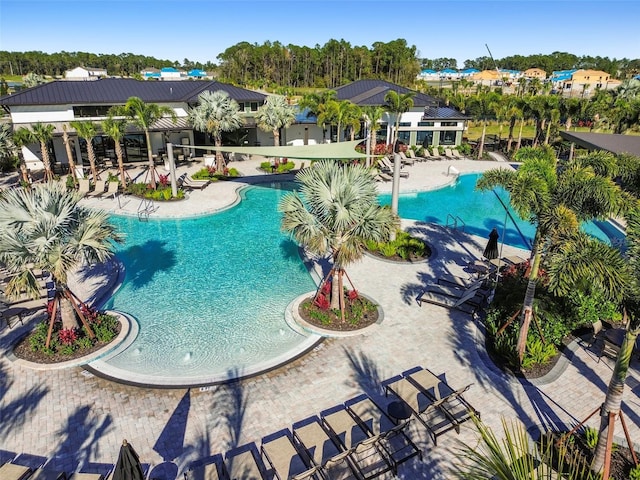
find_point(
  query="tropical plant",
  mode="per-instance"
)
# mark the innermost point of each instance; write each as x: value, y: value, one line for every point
x: 335, y: 212
x: 32, y: 79
x: 21, y: 138
x: 116, y: 129
x: 39, y: 133
x: 45, y: 229
x: 88, y: 130
x: 67, y: 145
x: 276, y: 113
x: 144, y: 115
x: 555, y: 201
x: 372, y: 114
x: 216, y: 113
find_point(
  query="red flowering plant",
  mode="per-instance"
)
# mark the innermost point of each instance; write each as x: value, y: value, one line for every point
x: 211, y: 170
x: 68, y: 336
x: 322, y: 302
x: 352, y: 295
x: 225, y: 172
x: 163, y: 180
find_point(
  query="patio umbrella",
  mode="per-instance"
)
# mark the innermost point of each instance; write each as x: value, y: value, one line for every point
x: 128, y: 465
x: 491, y: 250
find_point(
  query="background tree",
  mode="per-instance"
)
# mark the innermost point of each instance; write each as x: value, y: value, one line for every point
x: 372, y: 114
x: 276, y: 113
x: 32, y: 79
x: 334, y: 214
x: 88, y: 130
x: 144, y: 115
x: 116, y: 129
x: 67, y: 145
x: 216, y: 113
x: 39, y: 133
x: 45, y: 228
x: 21, y: 138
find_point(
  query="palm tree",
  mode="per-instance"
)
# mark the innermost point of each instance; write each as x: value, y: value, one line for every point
x: 6, y: 142
x: 351, y: 117
x: 144, y: 115
x: 556, y: 201
x: 116, y: 129
x: 21, y: 138
x: 397, y: 104
x: 67, y: 145
x: 335, y: 212
x: 88, y: 130
x: 39, y: 133
x: 45, y: 228
x: 276, y: 113
x: 483, y: 107
x: 372, y: 114
x: 216, y: 113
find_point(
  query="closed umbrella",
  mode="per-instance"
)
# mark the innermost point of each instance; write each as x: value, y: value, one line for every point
x: 491, y: 250
x: 128, y: 465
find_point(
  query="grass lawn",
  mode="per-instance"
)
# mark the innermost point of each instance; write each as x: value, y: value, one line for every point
x: 474, y: 130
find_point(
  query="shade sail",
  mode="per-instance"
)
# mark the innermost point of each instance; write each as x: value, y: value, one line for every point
x: 305, y: 152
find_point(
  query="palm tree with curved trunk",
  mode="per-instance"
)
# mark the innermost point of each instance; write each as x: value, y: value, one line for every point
x: 334, y: 214
x: 328, y: 114
x: 45, y: 228
x: 67, y: 146
x: 556, y: 202
x: 215, y: 113
x: 275, y: 114
x: 144, y: 115
x: 397, y: 104
x: 116, y: 129
x: 372, y: 114
x: 88, y: 130
x: 39, y: 133
x: 351, y: 118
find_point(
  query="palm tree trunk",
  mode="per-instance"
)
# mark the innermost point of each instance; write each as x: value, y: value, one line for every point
x: 335, y: 290
x: 519, y: 144
x: 546, y: 137
x: 152, y: 165
x: 481, y: 146
x: 67, y: 314
x: 512, y: 126
x: 527, y: 306
x: 48, y: 174
x: 67, y: 146
x: 219, y: 157
x: 613, y: 400
x: 92, y: 160
x: 276, y: 137
x: 567, y: 124
x: 120, y: 156
x: 24, y: 170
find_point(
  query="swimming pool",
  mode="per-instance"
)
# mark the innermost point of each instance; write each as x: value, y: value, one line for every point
x: 209, y: 293
x: 478, y: 212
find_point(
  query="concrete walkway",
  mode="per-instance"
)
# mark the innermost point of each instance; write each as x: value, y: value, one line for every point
x: 78, y: 420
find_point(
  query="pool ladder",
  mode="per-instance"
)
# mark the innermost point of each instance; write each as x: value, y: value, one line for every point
x: 145, y: 209
x: 455, y: 222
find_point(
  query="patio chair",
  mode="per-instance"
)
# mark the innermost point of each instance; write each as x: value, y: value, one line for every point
x: 414, y: 157
x: 465, y: 304
x: 385, y: 177
x: 213, y: 469
x: 98, y: 191
x: 458, y: 292
x: 436, y: 154
x: 192, y: 184
x: 11, y: 471
x: 366, y: 452
x: 456, y: 154
x: 86, y: 476
x: 394, y: 439
x: 406, y: 160
x: 426, y: 154
x: 46, y: 474
x: 449, y: 279
x: 387, y: 167
x: 244, y: 463
x: 597, y: 329
x: 112, y: 189
x: 286, y: 461
x: 449, y: 154
x: 324, y: 450
x: 84, y: 186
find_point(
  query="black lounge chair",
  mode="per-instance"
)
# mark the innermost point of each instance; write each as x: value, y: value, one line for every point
x: 286, y: 460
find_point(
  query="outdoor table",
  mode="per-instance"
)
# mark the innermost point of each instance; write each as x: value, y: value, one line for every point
x: 398, y: 411
x: 13, y: 312
x: 615, y: 336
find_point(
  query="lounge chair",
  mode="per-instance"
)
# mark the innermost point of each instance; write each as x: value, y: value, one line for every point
x: 84, y: 186
x: 436, y: 154
x: 98, y: 191
x: 214, y: 470
x: 426, y: 154
x: 459, y: 291
x: 456, y: 154
x: 244, y: 463
x: 465, y: 304
x: 429, y: 412
x: 394, y: 439
x: 192, y: 184
x: 324, y: 450
x: 11, y: 471
x: 286, y: 461
x: 406, y: 160
x: 112, y: 189
x: 366, y: 452
x: 384, y: 177
x: 86, y: 476
x: 448, y: 279
x: 46, y: 474
x: 413, y: 156
x: 449, y: 154
x: 387, y: 167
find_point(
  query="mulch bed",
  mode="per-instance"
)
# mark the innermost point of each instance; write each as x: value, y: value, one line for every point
x: 23, y: 350
x: 336, y: 323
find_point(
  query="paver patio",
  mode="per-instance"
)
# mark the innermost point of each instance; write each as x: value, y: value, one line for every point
x: 79, y: 420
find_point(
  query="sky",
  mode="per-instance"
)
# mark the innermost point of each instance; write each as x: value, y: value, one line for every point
x: 200, y: 30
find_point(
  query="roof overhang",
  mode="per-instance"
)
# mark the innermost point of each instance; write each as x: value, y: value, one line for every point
x: 339, y: 150
x: 614, y: 143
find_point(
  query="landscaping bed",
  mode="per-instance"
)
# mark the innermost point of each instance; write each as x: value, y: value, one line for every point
x: 360, y: 312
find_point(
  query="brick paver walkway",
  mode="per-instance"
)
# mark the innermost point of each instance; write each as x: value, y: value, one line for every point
x: 78, y: 421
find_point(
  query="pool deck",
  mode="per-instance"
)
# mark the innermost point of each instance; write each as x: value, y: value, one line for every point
x: 78, y: 420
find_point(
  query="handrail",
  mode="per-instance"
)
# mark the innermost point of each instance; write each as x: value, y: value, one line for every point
x: 461, y: 221
x: 506, y: 209
x: 453, y: 221
x: 145, y: 209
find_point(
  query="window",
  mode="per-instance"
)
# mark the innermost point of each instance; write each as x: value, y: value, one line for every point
x: 404, y: 136
x: 404, y: 124
x: 91, y: 110
x: 448, y: 124
x: 448, y: 137
x: 254, y: 106
x: 424, y: 138
x: 426, y: 124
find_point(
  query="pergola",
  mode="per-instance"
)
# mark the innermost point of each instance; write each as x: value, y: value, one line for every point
x: 610, y: 142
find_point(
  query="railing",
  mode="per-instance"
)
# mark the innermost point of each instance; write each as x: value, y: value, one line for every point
x: 145, y: 209
x: 455, y: 221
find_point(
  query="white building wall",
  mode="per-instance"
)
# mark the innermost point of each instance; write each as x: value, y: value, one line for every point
x: 297, y: 133
x: 36, y: 113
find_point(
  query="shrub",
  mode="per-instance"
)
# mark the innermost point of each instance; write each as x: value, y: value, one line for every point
x: 202, y: 174
x: 285, y: 167
x: 591, y: 437
x: 321, y: 301
x: 67, y: 336
x: 69, y: 183
x: 634, y: 473
x: 387, y: 249
x: 538, y: 353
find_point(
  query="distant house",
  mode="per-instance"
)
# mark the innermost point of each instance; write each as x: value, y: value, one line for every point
x: 197, y: 74
x: 535, y: 73
x: 582, y: 82
x: 468, y: 72
x: 150, y: 73
x: 425, y: 124
x: 486, y: 77
x: 428, y: 74
x: 170, y: 73
x: 85, y: 73
x: 449, y: 74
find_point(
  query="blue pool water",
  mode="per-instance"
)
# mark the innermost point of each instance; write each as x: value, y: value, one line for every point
x: 209, y: 293
x: 480, y: 212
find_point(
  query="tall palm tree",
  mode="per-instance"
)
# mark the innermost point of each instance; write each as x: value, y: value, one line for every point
x: 45, y: 228
x: 351, y: 117
x: 6, y: 142
x: 276, y: 113
x: 116, y: 129
x: 144, y: 115
x: 88, y: 130
x: 482, y: 109
x: 216, y: 113
x: 328, y: 114
x: 555, y: 201
x: 314, y: 103
x: 335, y: 212
x: 67, y: 145
x: 39, y: 133
x: 397, y: 104
x: 372, y: 114
x: 21, y: 138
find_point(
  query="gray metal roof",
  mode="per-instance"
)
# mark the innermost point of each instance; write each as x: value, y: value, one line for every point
x: 443, y: 113
x: 372, y: 92
x: 113, y: 91
x: 610, y: 142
